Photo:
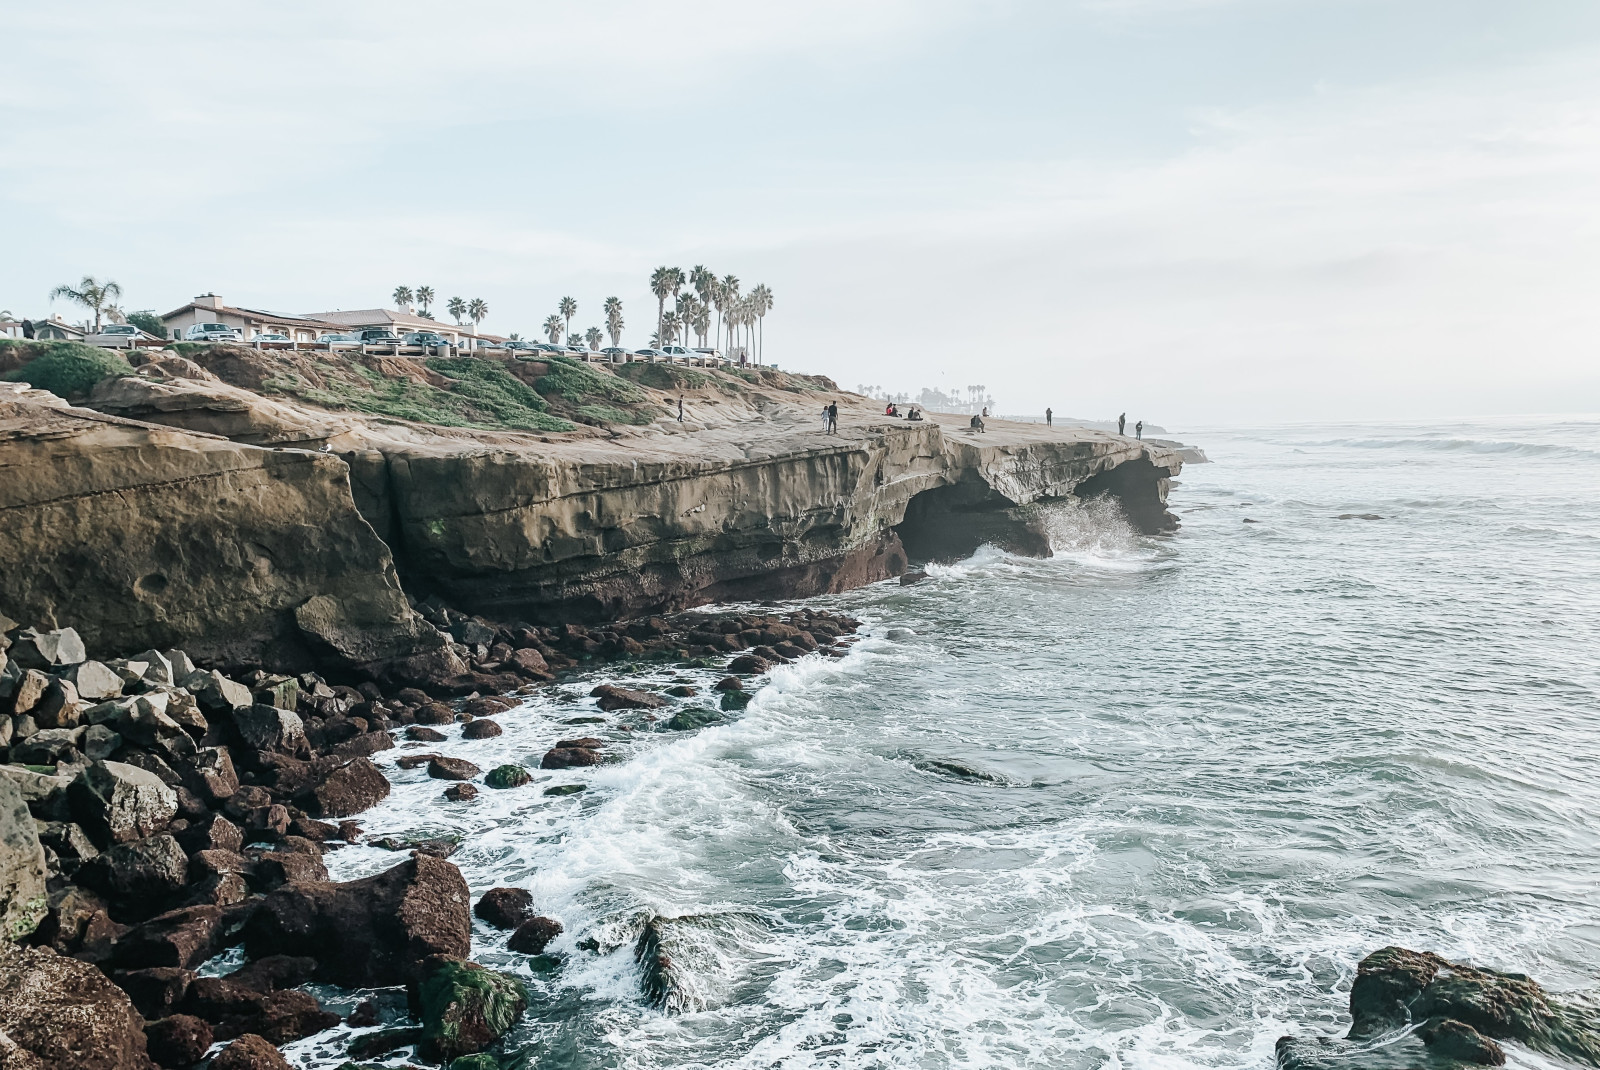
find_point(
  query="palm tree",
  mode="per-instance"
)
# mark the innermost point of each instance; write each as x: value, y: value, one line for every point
x: 688, y: 309
x: 701, y: 321
x: 568, y: 308
x: 727, y: 298
x: 553, y: 328
x: 425, y: 299
x: 664, y: 282
x: 402, y: 297
x: 705, y: 286
x: 477, y: 311
x: 761, y: 304
x: 669, y: 328
x: 613, y: 310
x: 457, y: 308
x: 594, y: 336
x: 93, y: 295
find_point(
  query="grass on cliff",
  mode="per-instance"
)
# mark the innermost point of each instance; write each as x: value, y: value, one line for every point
x: 482, y: 395
x: 663, y: 376
x: 66, y: 369
x: 592, y: 396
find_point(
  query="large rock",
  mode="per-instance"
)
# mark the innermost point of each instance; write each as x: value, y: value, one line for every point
x: 118, y: 803
x: 613, y: 697
x: 505, y: 908
x: 150, y: 537
x: 23, y: 899
x: 466, y: 1008
x: 67, y: 1013
x: 178, y: 1040
x: 1460, y: 1013
x: 371, y: 932
x: 272, y: 729
x: 33, y: 649
x: 350, y: 789
x: 95, y: 681
x: 143, y: 870
x: 182, y: 938
x: 211, y: 776
x: 234, y: 1009
x: 250, y: 1052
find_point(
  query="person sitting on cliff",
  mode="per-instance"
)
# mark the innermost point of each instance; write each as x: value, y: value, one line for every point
x: 915, y: 414
x: 977, y: 424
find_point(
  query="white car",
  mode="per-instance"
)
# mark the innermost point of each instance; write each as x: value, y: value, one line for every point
x: 212, y: 332
x: 331, y: 340
x: 679, y: 353
x: 117, y: 336
x: 272, y: 336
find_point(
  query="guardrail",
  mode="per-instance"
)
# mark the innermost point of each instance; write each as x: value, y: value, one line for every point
x: 400, y: 349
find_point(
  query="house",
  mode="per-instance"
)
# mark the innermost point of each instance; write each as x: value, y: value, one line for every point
x: 58, y: 329
x: 249, y: 322
x: 401, y: 322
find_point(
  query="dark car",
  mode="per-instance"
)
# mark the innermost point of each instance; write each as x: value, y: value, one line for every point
x: 425, y: 338
x: 379, y: 336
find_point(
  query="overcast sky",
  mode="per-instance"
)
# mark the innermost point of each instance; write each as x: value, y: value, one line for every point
x: 1192, y: 210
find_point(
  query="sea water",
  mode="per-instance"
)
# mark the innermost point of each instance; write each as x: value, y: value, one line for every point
x: 1143, y: 804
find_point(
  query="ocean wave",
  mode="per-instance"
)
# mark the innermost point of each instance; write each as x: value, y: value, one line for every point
x: 1462, y: 445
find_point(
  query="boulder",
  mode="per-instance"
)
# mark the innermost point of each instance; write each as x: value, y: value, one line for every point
x: 461, y: 792
x: 95, y: 681
x: 159, y: 670
x: 349, y: 790
x: 182, y: 938
x: 23, y: 899
x: 533, y: 935
x: 212, y: 833
x: 733, y: 701
x: 277, y: 868
x: 507, y: 776
x: 371, y: 932
x: 145, y: 869
x: 621, y: 698
x: 211, y: 776
x: 423, y: 734
x: 443, y: 768
x: 569, y: 758
x: 435, y: 713
x: 275, y: 972
x: 178, y: 1040
x: 118, y: 803
x: 215, y: 692
x: 505, y: 908
x: 686, y: 720
x: 67, y: 1013
x: 28, y: 690
x: 70, y: 843
x: 1459, y: 1013
x: 234, y: 1010
x: 249, y: 1052
x: 480, y: 729
x: 33, y: 649
x: 466, y: 1008
x: 46, y: 795
x: 530, y: 662
x: 269, y: 728
x: 156, y: 990
x: 49, y: 746
x: 100, y: 742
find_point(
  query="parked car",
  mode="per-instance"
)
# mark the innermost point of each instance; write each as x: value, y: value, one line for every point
x: 425, y: 338
x: 117, y: 336
x: 378, y: 336
x: 615, y: 353
x: 272, y: 336
x: 649, y: 354
x: 679, y: 353
x: 212, y: 332
x: 546, y: 347
x: 517, y: 343
x: 714, y: 354
x: 338, y: 339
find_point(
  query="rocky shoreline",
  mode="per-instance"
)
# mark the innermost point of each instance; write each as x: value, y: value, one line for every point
x: 156, y: 814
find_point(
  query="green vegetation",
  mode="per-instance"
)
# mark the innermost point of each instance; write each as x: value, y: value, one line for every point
x: 663, y: 376
x: 147, y: 321
x: 610, y: 414
x: 96, y: 296
x: 482, y: 395
x: 578, y: 384
x: 67, y: 369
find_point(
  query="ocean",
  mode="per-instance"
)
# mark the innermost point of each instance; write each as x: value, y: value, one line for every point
x: 1143, y: 804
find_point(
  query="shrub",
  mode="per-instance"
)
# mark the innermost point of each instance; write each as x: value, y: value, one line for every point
x: 663, y: 376
x: 148, y: 322
x: 67, y: 369
x: 576, y: 382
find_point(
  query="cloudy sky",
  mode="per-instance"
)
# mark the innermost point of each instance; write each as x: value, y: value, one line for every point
x: 1193, y: 210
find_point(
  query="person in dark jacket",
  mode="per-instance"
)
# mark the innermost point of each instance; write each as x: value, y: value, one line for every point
x: 1122, y: 424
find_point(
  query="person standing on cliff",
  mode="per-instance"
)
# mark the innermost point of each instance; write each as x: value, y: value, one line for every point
x: 833, y: 417
x: 1122, y: 424
x: 1138, y: 430
x: 827, y: 419
x: 680, y: 408
x: 1047, y: 415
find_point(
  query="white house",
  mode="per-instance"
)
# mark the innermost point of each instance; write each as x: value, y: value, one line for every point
x: 249, y: 322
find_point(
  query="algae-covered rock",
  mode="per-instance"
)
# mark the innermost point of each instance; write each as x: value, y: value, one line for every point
x: 507, y: 776
x: 466, y: 1008
x: 735, y: 700
x: 685, y: 720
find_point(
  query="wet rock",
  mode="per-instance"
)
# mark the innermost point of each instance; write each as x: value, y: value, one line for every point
x: 234, y: 1010
x: 250, y: 1052
x: 620, y: 698
x: 146, y: 869
x: 505, y: 908
x: 683, y: 691
x: 685, y: 720
x: 213, y: 833
x: 533, y: 935
x: 269, y: 728
x: 435, y: 713
x: 569, y: 758
x: 373, y: 1045
x: 748, y: 665
x: 507, y: 776
x: 211, y: 776
x: 466, y: 1008
x: 118, y: 803
x: 733, y: 701
x: 461, y: 792
x: 182, y: 938
x: 33, y: 649
x: 23, y: 899
x: 481, y: 729
x: 530, y: 663
x: 371, y: 932
x: 277, y: 868
x: 565, y: 789
x: 442, y: 768
x: 349, y: 790
x: 178, y: 1040
x: 423, y: 734
x: 67, y: 1013
x: 487, y: 706
x: 275, y: 973
x: 156, y: 991
x: 1460, y: 1012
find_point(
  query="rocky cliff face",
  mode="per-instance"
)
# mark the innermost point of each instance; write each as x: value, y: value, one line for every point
x: 622, y: 530
x: 143, y: 536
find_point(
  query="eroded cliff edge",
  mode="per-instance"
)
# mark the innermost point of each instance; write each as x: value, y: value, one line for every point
x: 298, y: 537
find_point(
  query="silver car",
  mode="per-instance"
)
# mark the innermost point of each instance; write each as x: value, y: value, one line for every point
x: 212, y: 332
x: 117, y: 336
